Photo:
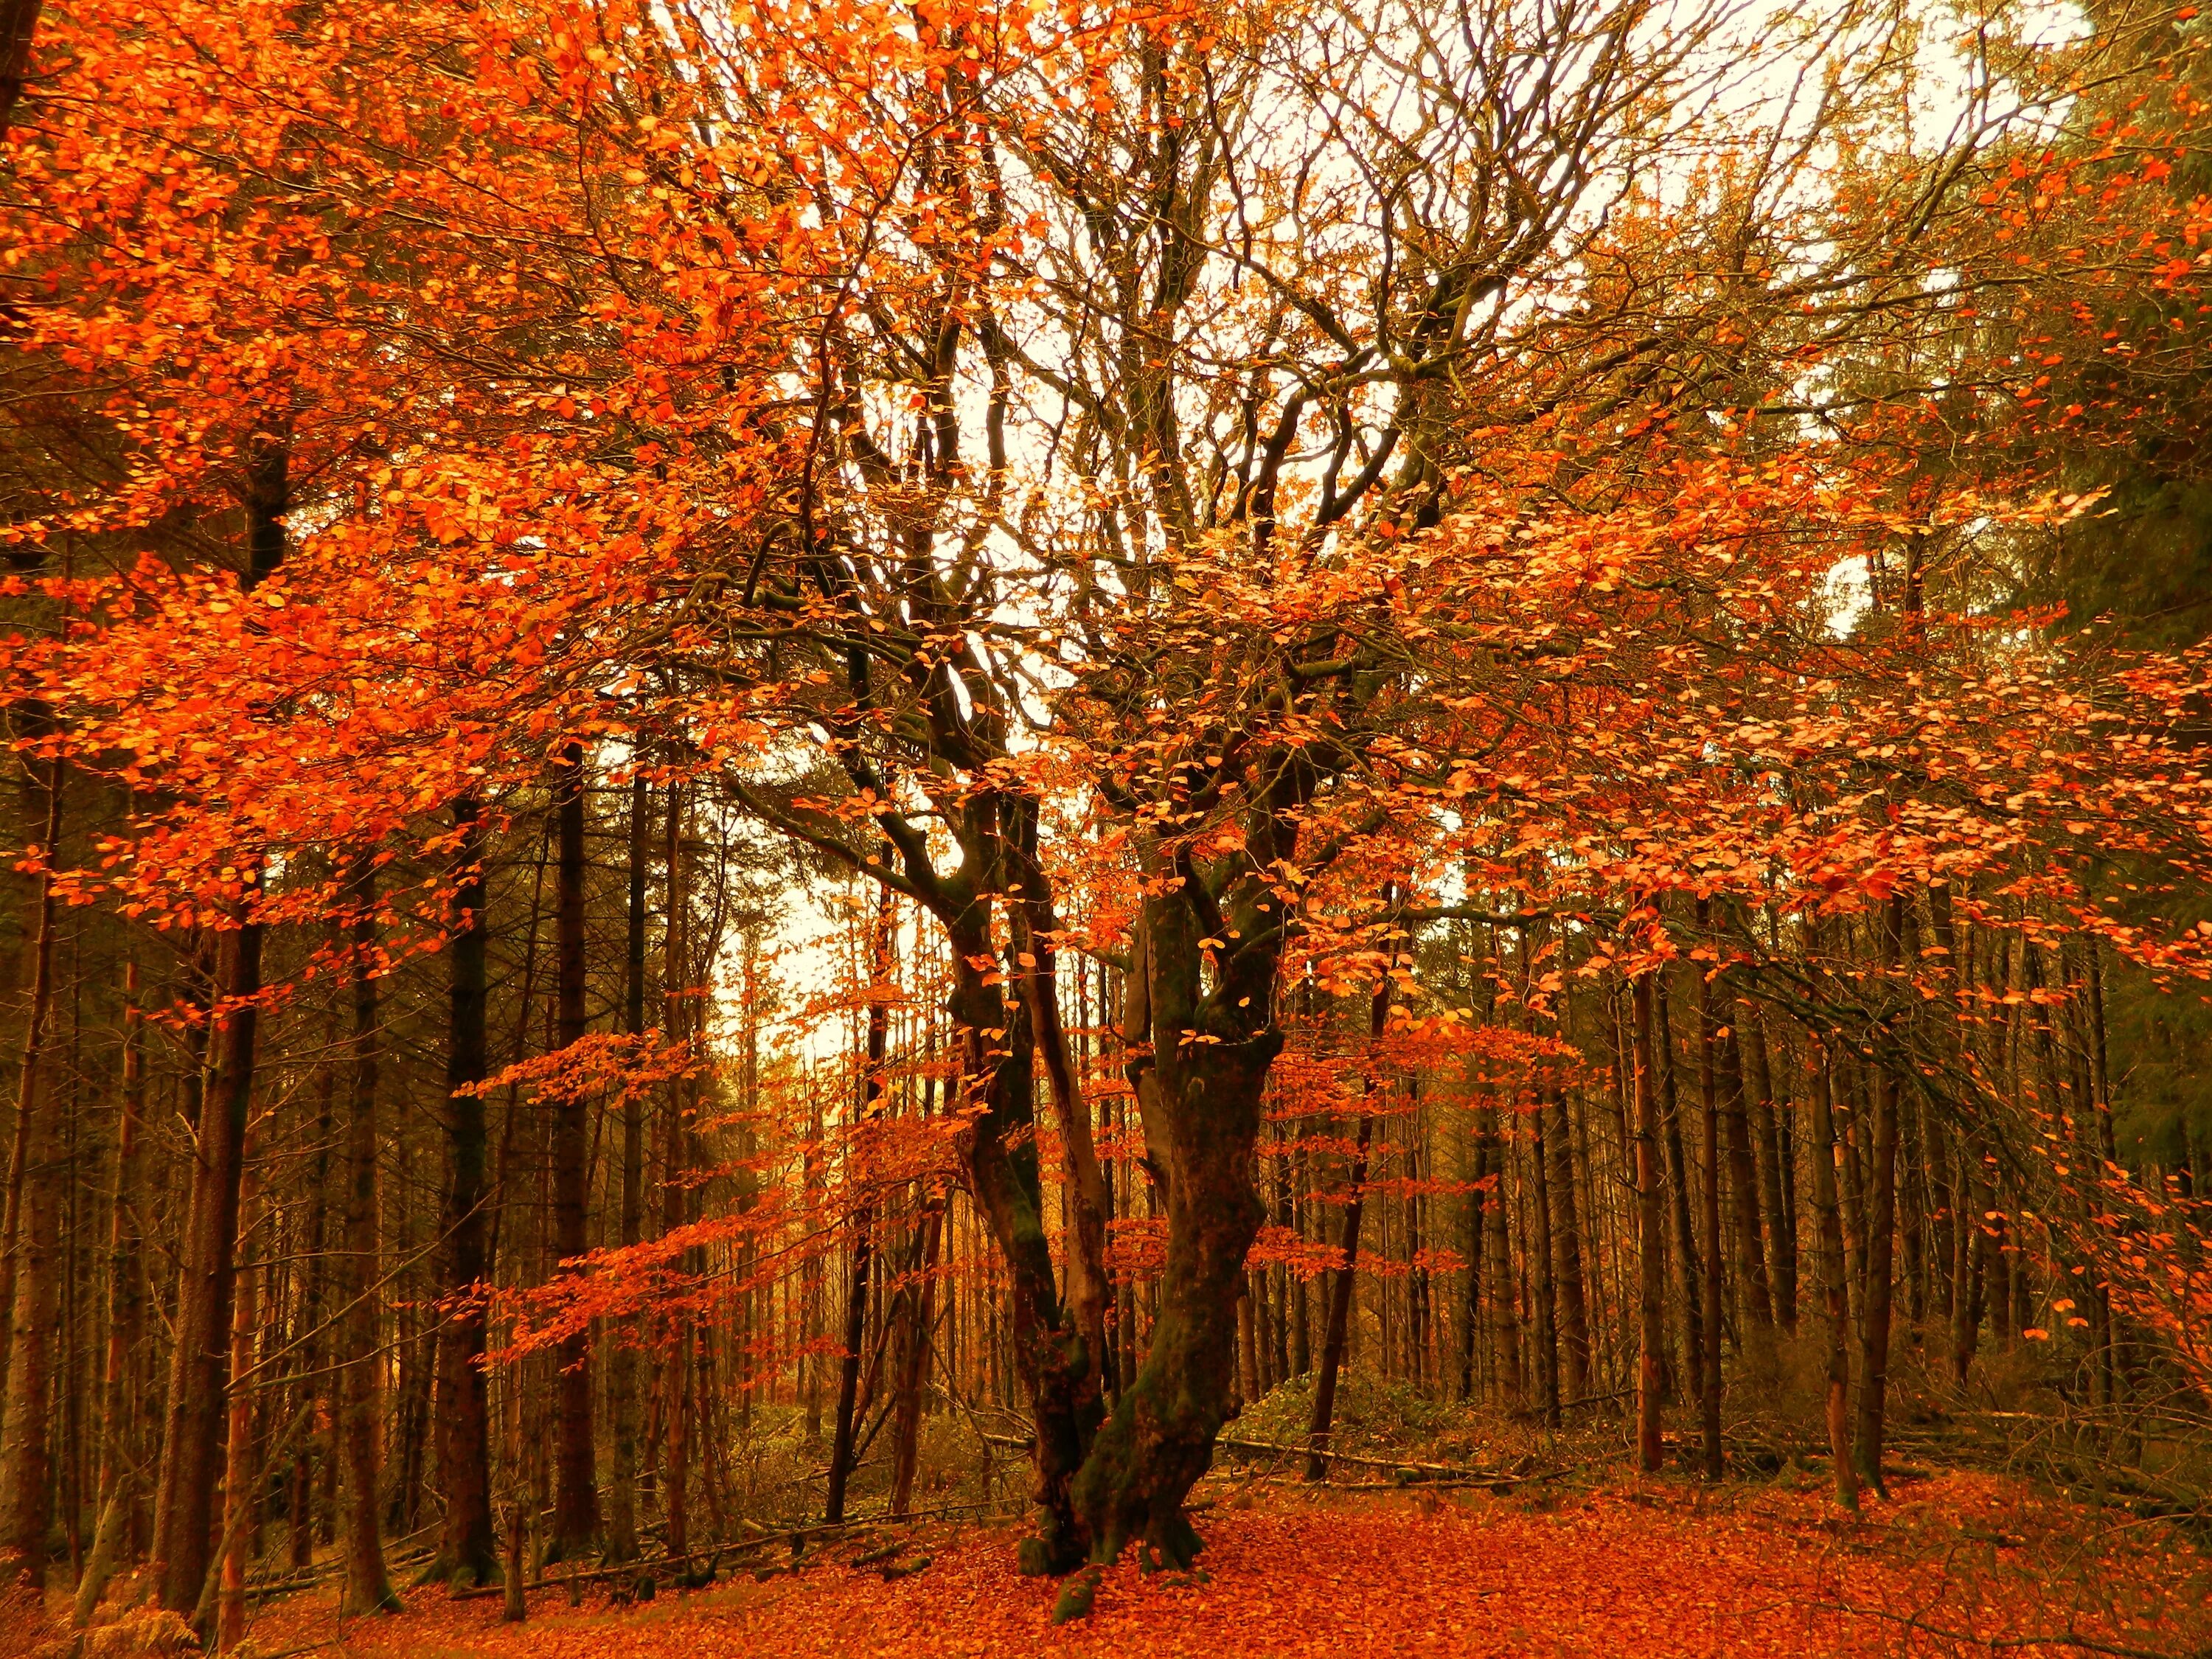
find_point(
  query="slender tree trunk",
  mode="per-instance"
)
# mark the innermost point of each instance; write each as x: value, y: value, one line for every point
x: 1567, y: 1234
x: 199, y: 1371
x: 622, y: 1362
x: 1709, y: 1210
x: 1882, y: 1207
x: 1340, y: 1309
x: 1755, y: 1306
x: 1651, y: 1240
x: 126, y: 1289
x: 856, y: 1296
x: 29, y: 1268
x: 1835, y: 1305
x: 915, y: 1344
x: 368, y: 1585
x: 575, y: 1490
x: 239, y: 1474
x: 467, y: 1553
x: 1036, y: 926
x: 315, y: 1384
x: 674, y: 977
x: 191, y: 1459
x: 1781, y: 1240
x: 1678, y: 1194
x: 1542, y: 1284
x: 1497, y: 1250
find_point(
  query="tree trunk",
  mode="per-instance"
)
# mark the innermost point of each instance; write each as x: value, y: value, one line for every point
x: 674, y: 977
x: 1342, y: 1279
x: 1708, y: 1174
x: 575, y: 1490
x: 622, y: 1362
x: 239, y: 1473
x: 1035, y: 927
x: 1567, y: 1235
x: 1835, y: 1305
x: 1759, y: 1075
x: 1756, y: 1305
x: 468, y: 1550
x: 368, y: 1586
x: 1542, y: 1285
x: 199, y: 1371
x: 1651, y: 1240
x: 1497, y: 1253
x: 915, y: 1342
x: 1201, y: 1102
x: 1882, y: 1207
x: 29, y: 1269
x: 126, y: 1286
x: 1685, y: 1239
x: 999, y: 1152
x: 192, y: 1455
x: 856, y: 1295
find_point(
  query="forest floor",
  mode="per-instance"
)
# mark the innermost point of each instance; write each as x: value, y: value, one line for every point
x: 1957, y: 1563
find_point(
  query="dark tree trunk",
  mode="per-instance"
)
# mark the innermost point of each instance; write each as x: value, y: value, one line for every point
x: 199, y: 1371
x: 1709, y: 1210
x: 999, y: 1151
x: 675, y: 1192
x: 1756, y: 1305
x: 1678, y: 1194
x: 914, y: 1350
x: 1880, y: 1212
x: 316, y: 1387
x: 368, y: 1586
x: 1758, y: 1074
x: 1201, y: 1102
x: 856, y: 1295
x: 30, y: 1268
x: 468, y: 1549
x: 1498, y: 1251
x: 126, y: 1283
x: 1835, y: 1304
x: 1567, y: 1235
x: 575, y: 1490
x: 1035, y: 927
x: 1343, y: 1280
x: 1543, y: 1287
x: 1650, y: 1239
x: 621, y: 1363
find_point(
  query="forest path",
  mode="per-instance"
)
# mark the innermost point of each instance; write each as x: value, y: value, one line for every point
x: 1610, y: 1573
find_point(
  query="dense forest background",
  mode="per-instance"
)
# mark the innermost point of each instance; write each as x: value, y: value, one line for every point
x: 777, y: 764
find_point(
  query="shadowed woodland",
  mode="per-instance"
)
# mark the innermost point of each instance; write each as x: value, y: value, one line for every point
x: 969, y: 827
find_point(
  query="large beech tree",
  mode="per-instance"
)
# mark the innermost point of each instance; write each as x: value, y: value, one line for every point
x: 1209, y: 494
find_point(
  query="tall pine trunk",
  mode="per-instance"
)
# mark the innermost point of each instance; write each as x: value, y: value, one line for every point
x: 468, y: 1554
x: 1708, y: 1213
x: 199, y: 1371
x: 1834, y: 1305
x: 575, y: 1489
x: 1650, y: 1239
x: 1880, y: 1220
x: 126, y: 1314
x: 621, y: 1363
x: 368, y: 1585
x: 30, y: 1268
